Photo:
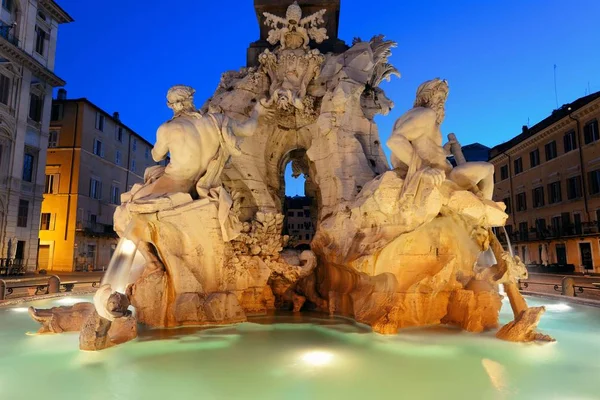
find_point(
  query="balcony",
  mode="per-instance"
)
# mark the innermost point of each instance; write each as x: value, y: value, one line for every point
x: 562, y: 232
x: 6, y: 31
x: 96, y: 229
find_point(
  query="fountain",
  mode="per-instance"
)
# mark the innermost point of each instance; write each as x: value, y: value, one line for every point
x: 403, y: 247
x: 205, y: 300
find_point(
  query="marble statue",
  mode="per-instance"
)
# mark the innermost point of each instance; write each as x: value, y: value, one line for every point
x: 411, y: 245
x: 199, y: 146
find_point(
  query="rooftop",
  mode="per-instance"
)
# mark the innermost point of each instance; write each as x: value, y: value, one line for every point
x: 556, y: 116
x: 85, y: 100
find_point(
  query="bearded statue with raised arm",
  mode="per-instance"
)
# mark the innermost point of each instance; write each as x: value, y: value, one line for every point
x: 417, y: 150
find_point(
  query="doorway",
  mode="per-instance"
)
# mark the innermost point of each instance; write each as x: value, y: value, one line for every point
x: 561, y: 254
x: 586, y: 255
x: 44, y: 256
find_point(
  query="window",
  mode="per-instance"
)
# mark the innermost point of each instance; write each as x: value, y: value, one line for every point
x: 556, y: 225
x: 98, y: 149
x: 540, y: 225
x: 577, y: 223
x: 100, y: 121
x: 4, y: 89
x: 28, y: 167
x: 521, y: 202
x: 45, y: 222
x: 554, y: 193
x: 53, y: 139
x: 538, y: 197
x: 35, y: 107
x: 118, y: 157
x: 569, y: 141
x: 523, y: 231
x: 518, y: 165
x: 7, y: 5
x: 594, y: 182
x: 507, y: 202
x: 306, y: 213
x: 147, y: 152
x: 133, y: 166
x: 95, y: 189
x: 534, y: 158
x: 590, y: 132
x: 40, y: 40
x: 550, y: 150
x: 299, y: 214
x: 503, y: 172
x: 134, y: 144
x: 115, y: 194
x: 23, y: 213
x: 51, y: 185
x: 574, y: 188
x: 290, y: 213
x: 119, y: 133
x: 57, y: 112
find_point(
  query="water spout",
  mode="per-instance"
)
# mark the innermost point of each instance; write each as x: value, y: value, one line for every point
x: 122, y: 270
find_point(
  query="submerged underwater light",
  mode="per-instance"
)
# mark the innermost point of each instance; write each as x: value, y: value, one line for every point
x: 317, y: 358
x: 558, y: 307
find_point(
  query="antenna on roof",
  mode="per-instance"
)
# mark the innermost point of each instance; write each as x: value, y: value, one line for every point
x: 555, y: 90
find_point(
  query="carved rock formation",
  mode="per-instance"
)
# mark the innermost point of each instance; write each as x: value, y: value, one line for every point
x: 522, y: 329
x: 62, y: 319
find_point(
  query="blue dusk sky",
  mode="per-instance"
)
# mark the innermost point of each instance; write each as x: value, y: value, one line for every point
x: 497, y: 55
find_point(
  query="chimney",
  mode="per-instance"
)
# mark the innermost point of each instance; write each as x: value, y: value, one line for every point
x: 116, y: 116
x: 62, y: 94
x: 525, y: 128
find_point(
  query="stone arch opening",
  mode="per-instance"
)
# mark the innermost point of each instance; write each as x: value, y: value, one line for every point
x: 299, y: 207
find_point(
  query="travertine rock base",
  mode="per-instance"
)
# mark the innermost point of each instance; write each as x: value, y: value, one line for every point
x: 473, y: 312
x: 99, y: 333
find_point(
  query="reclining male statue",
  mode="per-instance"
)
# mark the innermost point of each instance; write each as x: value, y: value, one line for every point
x: 416, y: 145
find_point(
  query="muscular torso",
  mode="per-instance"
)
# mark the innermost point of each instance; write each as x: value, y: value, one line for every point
x: 192, y: 142
x: 419, y: 126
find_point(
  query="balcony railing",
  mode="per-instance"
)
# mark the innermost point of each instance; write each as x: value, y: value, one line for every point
x: 570, y: 230
x: 7, y: 32
x: 95, y: 228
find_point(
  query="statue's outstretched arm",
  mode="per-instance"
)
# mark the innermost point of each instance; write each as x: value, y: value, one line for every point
x: 161, y: 147
x: 245, y: 129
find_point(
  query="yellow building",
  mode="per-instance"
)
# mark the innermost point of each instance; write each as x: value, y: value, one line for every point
x: 549, y: 178
x: 92, y: 158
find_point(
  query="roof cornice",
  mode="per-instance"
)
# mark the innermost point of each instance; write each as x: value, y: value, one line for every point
x: 557, y: 126
x: 20, y: 56
x: 55, y: 11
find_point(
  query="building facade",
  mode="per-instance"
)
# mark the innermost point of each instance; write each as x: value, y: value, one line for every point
x: 92, y: 158
x: 549, y: 178
x: 28, y: 36
x: 298, y: 223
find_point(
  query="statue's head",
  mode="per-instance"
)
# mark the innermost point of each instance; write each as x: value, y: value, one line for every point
x: 432, y: 94
x: 374, y: 101
x: 180, y: 98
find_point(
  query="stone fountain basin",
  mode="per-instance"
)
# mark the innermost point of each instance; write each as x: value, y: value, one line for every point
x: 304, y: 356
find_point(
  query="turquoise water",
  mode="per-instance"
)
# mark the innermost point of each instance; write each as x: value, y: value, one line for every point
x: 305, y: 357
